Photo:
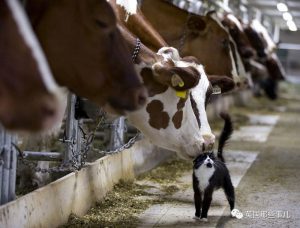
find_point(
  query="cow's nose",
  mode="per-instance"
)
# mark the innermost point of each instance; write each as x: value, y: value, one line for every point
x: 209, y: 141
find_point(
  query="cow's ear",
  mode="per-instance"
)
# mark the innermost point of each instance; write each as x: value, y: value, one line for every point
x: 184, y: 78
x: 196, y: 24
x: 221, y: 84
x: 179, y: 78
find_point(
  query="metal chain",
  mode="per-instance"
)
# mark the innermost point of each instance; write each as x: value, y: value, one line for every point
x: 136, y: 50
x: 72, y: 165
x: 88, y: 140
x: 32, y: 164
x: 125, y: 146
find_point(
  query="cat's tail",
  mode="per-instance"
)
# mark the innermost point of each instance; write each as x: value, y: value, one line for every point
x: 225, y: 134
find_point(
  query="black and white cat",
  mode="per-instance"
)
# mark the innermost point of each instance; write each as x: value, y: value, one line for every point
x: 210, y: 173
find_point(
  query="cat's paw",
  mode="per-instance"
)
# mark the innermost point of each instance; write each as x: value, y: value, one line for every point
x: 235, y: 213
x: 196, y: 218
x: 204, y: 220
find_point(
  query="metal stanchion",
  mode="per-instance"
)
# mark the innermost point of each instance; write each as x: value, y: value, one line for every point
x: 71, y: 130
x: 13, y: 171
x: 1, y: 160
x: 5, y: 171
x: 117, y: 133
x: 8, y: 165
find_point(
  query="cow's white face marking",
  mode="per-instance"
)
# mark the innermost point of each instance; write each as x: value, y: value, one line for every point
x: 257, y: 26
x: 187, y: 140
x: 130, y: 6
x: 32, y: 42
x: 234, y: 71
x: 235, y: 21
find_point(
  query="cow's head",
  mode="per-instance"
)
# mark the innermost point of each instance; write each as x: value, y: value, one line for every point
x: 209, y: 41
x: 174, y: 116
x: 269, y: 44
x: 237, y: 33
x: 275, y: 67
x: 256, y: 41
x: 86, y: 51
x: 29, y: 97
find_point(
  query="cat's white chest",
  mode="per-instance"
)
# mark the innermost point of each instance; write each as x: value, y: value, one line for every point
x: 203, y: 175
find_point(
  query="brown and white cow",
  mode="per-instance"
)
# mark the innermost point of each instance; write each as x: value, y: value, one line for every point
x: 174, y: 116
x: 242, y: 44
x: 236, y: 30
x: 194, y: 35
x: 265, y: 47
x: 30, y: 100
x: 86, y: 51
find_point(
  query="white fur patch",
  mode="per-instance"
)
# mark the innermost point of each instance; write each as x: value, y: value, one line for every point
x: 256, y: 25
x: 32, y: 42
x: 199, y: 95
x: 130, y: 6
x: 242, y: 71
x: 203, y: 173
x: 235, y: 21
x: 234, y: 70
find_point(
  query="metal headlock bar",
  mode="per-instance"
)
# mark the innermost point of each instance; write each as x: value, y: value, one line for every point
x: 8, y: 163
x: 77, y: 145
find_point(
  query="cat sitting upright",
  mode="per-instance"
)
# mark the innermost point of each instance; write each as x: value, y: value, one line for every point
x: 210, y: 173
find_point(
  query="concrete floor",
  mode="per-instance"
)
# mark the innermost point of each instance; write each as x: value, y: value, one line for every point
x: 264, y: 160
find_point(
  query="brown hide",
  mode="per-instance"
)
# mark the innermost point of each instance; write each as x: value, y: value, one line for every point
x: 256, y: 41
x: 25, y: 101
x: 145, y: 55
x: 86, y: 51
x: 203, y: 37
x: 158, y: 73
x: 270, y: 60
x: 258, y: 71
x: 274, y: 68
x: 140, y: 27
x: 240, y: 38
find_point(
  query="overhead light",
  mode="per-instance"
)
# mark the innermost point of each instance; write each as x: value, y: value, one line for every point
x: 287, y: 16
x: 282, y: 7
x: 292, y: 26
x: 290, y: 23
x: 293, y: 29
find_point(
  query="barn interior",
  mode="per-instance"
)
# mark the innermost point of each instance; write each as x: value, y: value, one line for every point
x: 100, y: 170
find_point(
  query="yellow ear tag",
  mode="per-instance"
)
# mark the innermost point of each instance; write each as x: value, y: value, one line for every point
x: 181, y: 84
x: 181, y: 94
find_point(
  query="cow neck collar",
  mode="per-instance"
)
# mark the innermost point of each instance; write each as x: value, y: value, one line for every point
x: 136, y: 50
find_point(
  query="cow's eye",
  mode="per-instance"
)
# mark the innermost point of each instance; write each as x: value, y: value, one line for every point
x: 101, y: 24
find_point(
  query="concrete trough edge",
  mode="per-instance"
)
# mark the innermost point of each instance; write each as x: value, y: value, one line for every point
x: 50, y: 206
